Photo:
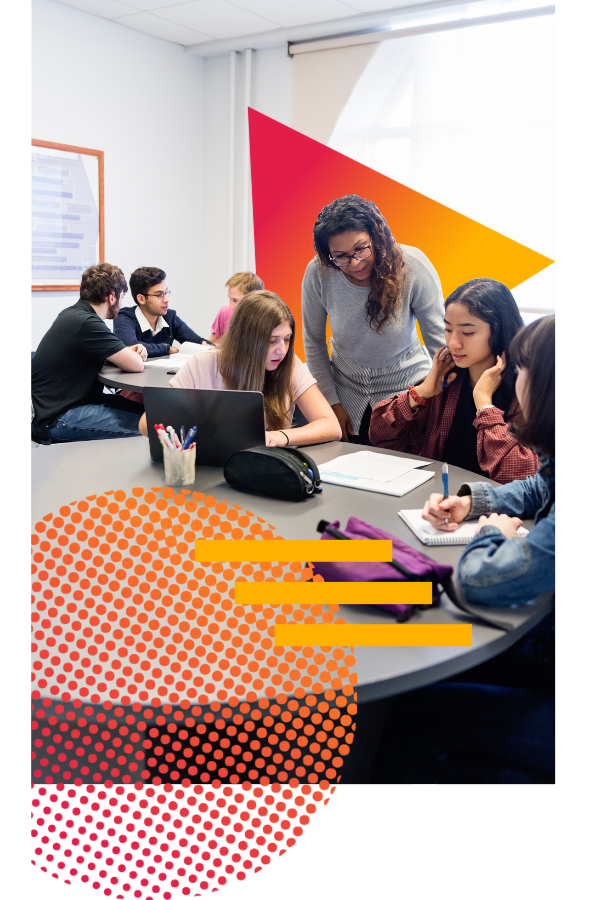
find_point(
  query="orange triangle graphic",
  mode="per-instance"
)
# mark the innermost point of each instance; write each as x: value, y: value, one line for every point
x: 294, y: 176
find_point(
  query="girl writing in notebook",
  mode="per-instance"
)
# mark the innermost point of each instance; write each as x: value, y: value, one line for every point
x: 497, y: 566
x: 461, y: 410
x: 256, y: 353
x: 495, y: 723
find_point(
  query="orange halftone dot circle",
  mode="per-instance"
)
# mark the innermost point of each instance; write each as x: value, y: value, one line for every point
x: 144, y: 668
x: 167, y: 841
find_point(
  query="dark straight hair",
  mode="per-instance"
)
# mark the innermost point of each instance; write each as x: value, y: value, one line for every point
x: 492, y: 302
x: 144, y: 278
x: 533, y: 349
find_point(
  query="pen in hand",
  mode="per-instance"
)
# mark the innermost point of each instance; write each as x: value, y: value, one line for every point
x: 445, y: 481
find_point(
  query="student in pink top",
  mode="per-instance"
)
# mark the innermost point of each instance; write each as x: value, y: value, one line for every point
x: 238, y: 286
x: 257, y: 354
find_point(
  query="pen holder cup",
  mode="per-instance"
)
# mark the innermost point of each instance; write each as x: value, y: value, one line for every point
x: 180, y: 466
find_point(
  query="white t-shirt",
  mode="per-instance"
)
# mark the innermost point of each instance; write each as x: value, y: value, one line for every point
x: 201, y: 372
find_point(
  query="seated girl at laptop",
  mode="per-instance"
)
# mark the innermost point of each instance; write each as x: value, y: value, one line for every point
x: 462, y: 417
x: 256, y: 353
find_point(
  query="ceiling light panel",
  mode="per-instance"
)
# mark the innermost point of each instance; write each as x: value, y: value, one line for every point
x: 292, y: 12
x: 108, y: 9
x: 381, y: 5
x: 217, y: 18
x: 152, y: 5
x: 160, y: 28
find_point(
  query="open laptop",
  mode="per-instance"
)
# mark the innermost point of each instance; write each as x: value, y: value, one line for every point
x: 227, y: 421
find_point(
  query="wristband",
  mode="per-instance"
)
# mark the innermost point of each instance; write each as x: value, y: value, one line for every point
x: 413, y: 393
x: 285, y: 436
x: 486, y: 406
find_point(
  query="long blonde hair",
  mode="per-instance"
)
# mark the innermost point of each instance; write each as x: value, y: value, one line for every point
x: 243, y: 353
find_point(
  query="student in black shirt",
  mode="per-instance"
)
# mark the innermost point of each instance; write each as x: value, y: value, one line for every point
x: 151, y: 322
x: 68, y: 399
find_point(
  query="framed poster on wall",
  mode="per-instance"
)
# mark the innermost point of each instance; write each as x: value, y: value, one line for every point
x: 67, y: 214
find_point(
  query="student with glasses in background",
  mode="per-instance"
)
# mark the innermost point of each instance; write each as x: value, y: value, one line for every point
x: 373, y: 290
x: 150, y: 322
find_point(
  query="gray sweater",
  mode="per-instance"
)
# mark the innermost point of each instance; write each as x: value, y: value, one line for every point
x: 327, y: 292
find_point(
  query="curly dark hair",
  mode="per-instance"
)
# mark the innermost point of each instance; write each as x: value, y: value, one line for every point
x: 352, y: 213
x: 492, y: 302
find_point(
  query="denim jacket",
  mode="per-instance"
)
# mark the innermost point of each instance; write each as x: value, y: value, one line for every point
x: 501, y: 571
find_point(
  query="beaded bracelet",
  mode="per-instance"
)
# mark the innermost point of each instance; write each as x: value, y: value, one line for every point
x: 420, y: 400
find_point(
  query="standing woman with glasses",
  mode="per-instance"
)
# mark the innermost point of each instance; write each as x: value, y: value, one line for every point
x: 373, y: 290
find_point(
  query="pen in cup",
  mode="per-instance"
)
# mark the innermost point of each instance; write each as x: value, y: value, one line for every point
x: 164, y: 437
x: 174, y: 439
x: 190, y: 437
x: 445, y: 481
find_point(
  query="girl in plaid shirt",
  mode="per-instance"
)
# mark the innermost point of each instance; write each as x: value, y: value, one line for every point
x: 460, y: 412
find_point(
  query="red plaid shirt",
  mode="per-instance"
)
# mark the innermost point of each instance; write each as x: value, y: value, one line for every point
x: 425, y: 431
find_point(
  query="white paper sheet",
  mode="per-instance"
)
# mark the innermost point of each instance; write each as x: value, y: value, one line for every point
x: 398, y: 487
x: 378, y: 467
x: 176, y: 361
x: 190, y: 347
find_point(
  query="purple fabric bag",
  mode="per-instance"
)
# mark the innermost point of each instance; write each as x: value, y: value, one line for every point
x: 414, y: 560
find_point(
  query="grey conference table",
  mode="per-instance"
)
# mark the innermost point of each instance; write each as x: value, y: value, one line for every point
x: 113, y: 377
x: 65, y: 472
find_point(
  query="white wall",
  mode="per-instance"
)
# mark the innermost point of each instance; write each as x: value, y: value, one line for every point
x: 271, y: 94
x: 98, y: 84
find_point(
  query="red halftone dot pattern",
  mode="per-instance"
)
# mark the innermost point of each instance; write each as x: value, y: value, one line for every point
x: 166, y: 842
x: 145, y: 669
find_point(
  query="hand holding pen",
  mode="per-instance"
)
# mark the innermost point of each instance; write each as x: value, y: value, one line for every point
x: 445, y: 482
x: 453, y: 510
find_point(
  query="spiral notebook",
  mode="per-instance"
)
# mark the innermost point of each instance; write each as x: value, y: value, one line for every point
x: 430, y: 536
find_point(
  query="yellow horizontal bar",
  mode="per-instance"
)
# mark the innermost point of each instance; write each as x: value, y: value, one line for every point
x: 275, y: 593
x: 393, y: 635
x: 294, y: 551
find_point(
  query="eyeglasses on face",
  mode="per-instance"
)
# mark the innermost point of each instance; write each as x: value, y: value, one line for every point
x: 361, y: 253
x: 160, y: 296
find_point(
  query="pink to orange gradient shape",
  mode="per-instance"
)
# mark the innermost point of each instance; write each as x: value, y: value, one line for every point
x: 294, y: 176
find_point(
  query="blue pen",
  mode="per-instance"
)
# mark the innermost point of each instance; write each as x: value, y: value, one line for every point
x: 445, y: 481
x: 190, y: 437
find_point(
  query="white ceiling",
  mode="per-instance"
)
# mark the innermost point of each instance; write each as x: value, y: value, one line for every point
x: 204, y: 21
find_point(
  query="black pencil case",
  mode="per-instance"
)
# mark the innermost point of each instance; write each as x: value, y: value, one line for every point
x: 280, y: 472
